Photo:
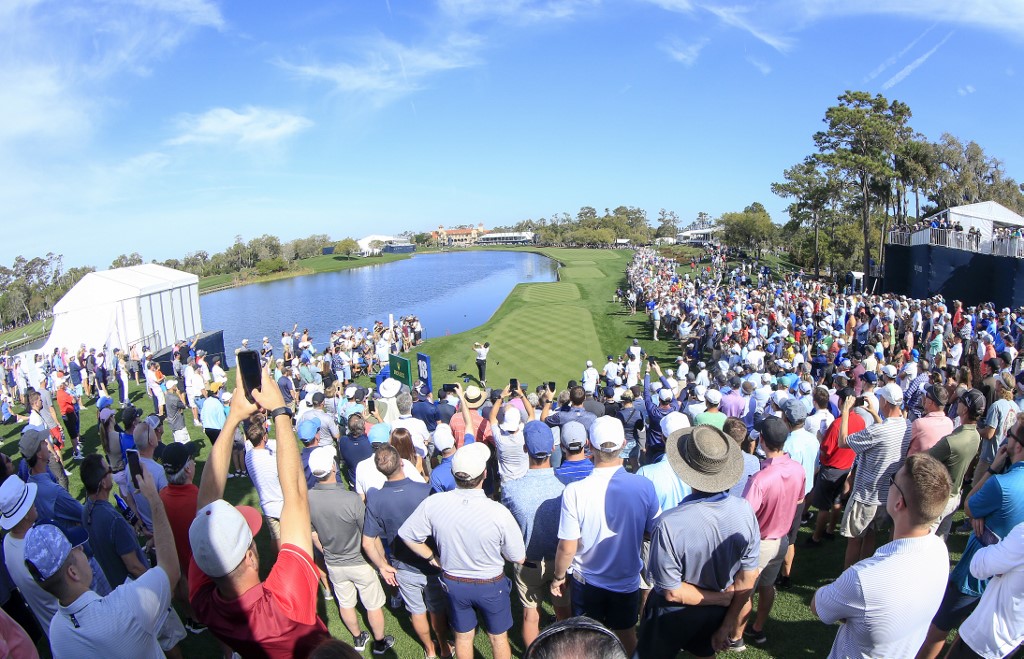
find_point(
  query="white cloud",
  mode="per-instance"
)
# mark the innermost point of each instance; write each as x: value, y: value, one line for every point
x: 685, y: 54
x: 966, y: 90
x: 1005, y: 16
x: 252, y: 126
x: 678, y: 6
x: 910, y: 68
x: 895, y: 58
x: 518, y: 11
x: 386, y: 69
x: 737, y: 17
x: 760, y: 65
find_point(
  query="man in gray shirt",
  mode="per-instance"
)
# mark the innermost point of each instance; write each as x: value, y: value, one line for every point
x: 475, y: 537
x: 329, y: 432
x: 174, y: 407
x: 337, y: 518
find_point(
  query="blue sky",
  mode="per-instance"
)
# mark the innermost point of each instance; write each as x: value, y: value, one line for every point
x: 166, y: 126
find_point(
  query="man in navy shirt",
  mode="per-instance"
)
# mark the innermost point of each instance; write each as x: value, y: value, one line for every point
x: 424, y: 408
x: 417, y: 580
x: 441, y: 479
x: 354, y: 448
x: 287, y: 387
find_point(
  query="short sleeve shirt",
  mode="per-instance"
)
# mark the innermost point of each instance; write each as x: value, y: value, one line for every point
x: 386, y: 511
x: 535, y: 501
x: 704, y: 541
x: 111, y: 537
x: 132, y: 614
x: 337, y: 517
x: 880, y: 450
x: 284, y: 605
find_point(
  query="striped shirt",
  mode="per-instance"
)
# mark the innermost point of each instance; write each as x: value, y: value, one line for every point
x: 887, y: 601
x: 475, y: 536
x: 262, y: 467
x: 880, y: 449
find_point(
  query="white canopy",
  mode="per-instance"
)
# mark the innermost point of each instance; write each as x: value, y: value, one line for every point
x: 146, y: 303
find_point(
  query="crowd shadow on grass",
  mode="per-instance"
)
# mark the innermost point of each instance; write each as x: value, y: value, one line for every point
x: 795, y: 638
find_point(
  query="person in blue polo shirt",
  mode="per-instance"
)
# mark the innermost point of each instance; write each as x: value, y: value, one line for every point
x: 441, y: 479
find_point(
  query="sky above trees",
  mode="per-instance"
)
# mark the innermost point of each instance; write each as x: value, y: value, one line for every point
x: 126, y: 124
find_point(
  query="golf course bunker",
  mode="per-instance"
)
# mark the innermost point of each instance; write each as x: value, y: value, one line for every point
x: 574, y: 272
x: 547, y: 293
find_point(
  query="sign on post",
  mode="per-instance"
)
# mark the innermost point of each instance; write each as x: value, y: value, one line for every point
x: 401, y: 369
x: 423, y: 370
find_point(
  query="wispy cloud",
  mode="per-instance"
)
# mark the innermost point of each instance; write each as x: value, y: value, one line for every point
x: 737, y: 17
x: 910, y: 68
x: 386, y: 69
x: 252, y: 126
x: 517, y: 11
x: 966, y: 90
x: 678, y: 6
x: 760, y: 65
x: 1006, y: 16
x: 684, y: 53
x: 895, y: 58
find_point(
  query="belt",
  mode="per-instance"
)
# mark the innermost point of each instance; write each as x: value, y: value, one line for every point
x: 452, y: 577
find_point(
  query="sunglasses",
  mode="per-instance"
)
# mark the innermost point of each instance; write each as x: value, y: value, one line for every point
x: 892, y: 481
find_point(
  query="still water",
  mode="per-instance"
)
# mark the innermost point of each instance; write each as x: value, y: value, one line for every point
x: 450, y: 293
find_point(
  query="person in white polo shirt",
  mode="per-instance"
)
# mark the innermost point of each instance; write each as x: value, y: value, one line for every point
x: 124, y: 623
x: 887, y: 601
x: 601, y: 529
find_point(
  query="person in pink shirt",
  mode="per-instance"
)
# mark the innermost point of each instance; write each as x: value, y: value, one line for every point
x: 775, y: 493
x: 927, y: 430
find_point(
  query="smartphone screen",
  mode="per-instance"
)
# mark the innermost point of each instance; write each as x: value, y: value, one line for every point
x: 448, y: 388
x: 134, y: 467
x: 513, y: 385
x: 371, y: 405
x: 252, y: 375
x: 551, y: 386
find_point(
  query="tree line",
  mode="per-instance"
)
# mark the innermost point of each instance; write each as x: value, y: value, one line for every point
x: 588, y: 229
x: 868, y: 169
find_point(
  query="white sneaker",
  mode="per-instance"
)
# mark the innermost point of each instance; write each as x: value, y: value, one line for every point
x: 198, y: 423
x: 230, y: 475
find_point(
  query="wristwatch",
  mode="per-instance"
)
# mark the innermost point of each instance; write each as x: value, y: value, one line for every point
x: 281, y: 410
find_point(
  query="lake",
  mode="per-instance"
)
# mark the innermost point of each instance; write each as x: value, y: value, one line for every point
x: 450, y: 293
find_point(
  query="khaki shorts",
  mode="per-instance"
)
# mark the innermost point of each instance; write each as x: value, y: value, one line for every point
x: 274, y: 526
x: 348, y: 579
x: 769, y: 560
x: 534, y: 584
x: 859, y: 517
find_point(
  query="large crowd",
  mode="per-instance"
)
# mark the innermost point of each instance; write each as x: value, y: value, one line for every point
x: 651, y: 505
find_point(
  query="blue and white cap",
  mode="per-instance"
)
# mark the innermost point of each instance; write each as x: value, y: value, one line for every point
x: 47, y: 546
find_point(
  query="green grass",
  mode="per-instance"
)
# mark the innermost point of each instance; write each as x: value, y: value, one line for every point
x: 313, y: 265
x: 543, y: 331
x: 28, y: 332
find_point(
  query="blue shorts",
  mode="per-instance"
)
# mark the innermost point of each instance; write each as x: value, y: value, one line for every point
x: 492, y: 600
x: 954, y: 609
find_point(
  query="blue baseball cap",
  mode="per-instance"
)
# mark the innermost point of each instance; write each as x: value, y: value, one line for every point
x: 540, y: 441
x: 308, y: 429
x: 104, y: 402
x: 380, y: 433
x: 914, y: 354
x: 47, y: 547
x: 869, y: 377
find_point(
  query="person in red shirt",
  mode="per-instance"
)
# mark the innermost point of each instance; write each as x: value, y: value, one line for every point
x: 275, y: 618
x: 67, y: 403
x: 830, y: 481
x: 180, y: 497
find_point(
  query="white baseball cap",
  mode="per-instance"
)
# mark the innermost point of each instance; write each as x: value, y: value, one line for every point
x: 443, y: 438
x: 891, y: 393
x: 713, y: 397
x: 321, y: 461
x: 221, y: 534
x: 471, y: 460
x: 674, y: 421
x: 607, y: 430
x: 512, y: 421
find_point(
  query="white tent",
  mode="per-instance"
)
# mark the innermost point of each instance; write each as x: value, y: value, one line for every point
x: 146, y: 303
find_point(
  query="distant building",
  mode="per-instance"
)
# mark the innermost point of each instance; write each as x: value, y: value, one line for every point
x: 509, y: 238
x: 622, y: 242
x: 698, y: 233
x: 368, y: 246
x: 458, y: 237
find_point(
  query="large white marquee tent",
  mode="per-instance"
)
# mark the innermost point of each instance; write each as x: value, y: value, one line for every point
x: 116, y: 308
